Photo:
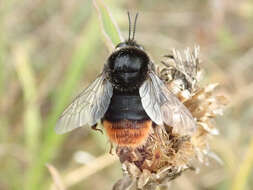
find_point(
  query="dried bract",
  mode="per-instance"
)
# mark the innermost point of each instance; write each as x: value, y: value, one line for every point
x: 165, y: 155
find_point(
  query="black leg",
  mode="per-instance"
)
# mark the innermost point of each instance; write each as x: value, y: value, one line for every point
x: 94, y: 127
x: 154, y: 125
x: 111, y: 148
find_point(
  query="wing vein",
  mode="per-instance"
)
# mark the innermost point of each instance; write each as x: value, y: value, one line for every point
x: 88, y: 107
x: 163, y: 107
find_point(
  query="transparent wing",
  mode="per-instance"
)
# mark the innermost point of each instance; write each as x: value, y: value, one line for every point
x: 162, y: 106
x: 88, y: 107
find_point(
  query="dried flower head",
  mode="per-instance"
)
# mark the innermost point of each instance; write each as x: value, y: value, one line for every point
x: 165, y: 154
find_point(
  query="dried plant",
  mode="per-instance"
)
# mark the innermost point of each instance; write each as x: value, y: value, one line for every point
x: 165, y: 154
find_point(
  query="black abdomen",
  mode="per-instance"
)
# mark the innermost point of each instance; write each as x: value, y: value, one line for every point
x: 127, y: 107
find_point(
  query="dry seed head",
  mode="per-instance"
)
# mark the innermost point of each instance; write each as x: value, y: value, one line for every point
x: 165, y: 155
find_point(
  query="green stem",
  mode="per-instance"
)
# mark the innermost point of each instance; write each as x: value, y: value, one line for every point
x: 244, y: 170
x: 82, y: 55
x: 32, y: 118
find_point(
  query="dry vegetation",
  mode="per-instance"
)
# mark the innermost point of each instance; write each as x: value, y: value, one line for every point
x: 50, y: 50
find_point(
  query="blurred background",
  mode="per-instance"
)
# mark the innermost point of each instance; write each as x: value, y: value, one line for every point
x: 51, y: 49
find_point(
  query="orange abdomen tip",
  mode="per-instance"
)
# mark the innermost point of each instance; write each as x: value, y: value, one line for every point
x: 127, y: 132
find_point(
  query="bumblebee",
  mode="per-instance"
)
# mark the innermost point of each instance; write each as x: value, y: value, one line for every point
x: 128, y: 98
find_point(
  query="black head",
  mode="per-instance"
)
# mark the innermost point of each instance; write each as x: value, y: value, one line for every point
x: 128, y: 65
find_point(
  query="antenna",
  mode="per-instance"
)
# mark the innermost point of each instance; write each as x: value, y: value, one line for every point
x: 129, y: 25
x: 135, y: 21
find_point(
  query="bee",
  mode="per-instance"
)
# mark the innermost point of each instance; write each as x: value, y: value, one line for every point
x: 128, y: 98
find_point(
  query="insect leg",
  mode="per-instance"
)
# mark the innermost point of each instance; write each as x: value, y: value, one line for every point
x: 94, y: 127
x: 111, y: 148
